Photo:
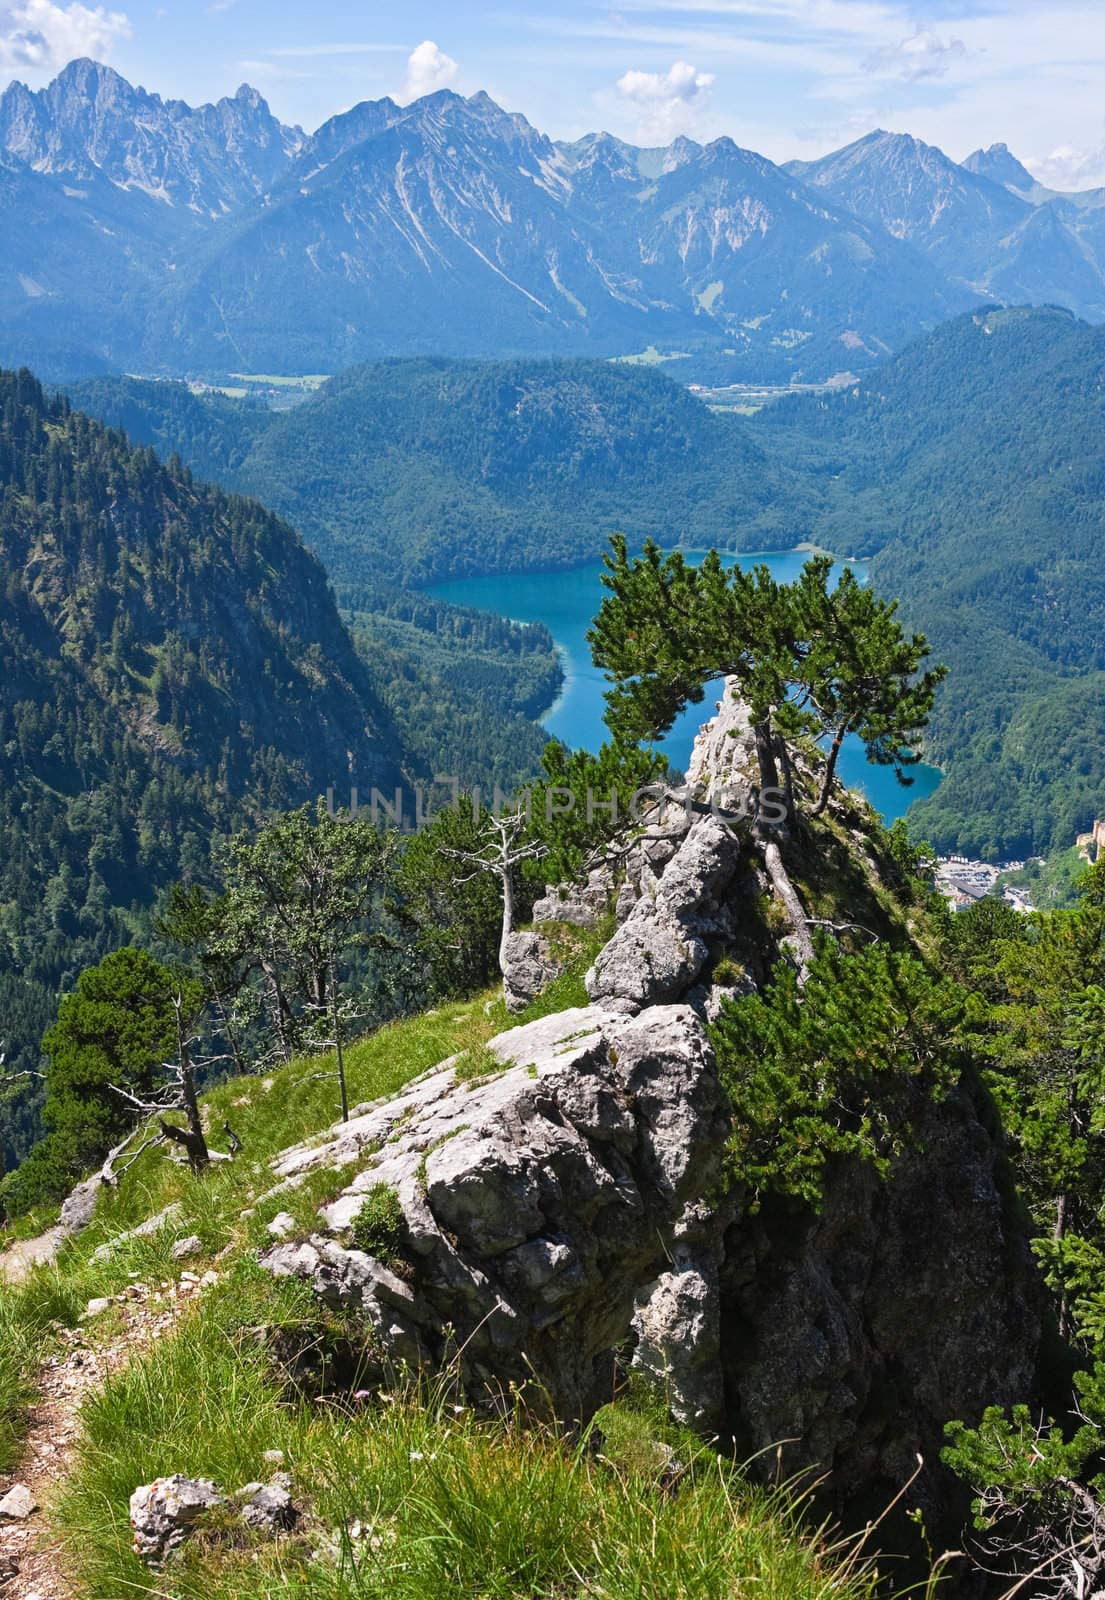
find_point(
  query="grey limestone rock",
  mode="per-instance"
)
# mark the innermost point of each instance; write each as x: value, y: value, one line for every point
x: 579, y: 905
x: 661, y: 948
x: 165, y: 1512
x: 529, y: 966
x: 536, y: 1202
x: 269, y: 1507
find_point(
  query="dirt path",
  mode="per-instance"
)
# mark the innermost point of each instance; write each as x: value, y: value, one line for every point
x: 32, y: 1563
x: 21, y: 1258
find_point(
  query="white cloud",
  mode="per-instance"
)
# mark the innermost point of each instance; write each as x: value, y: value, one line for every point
x: 1070, y: 168
x: 924, y: 54
x: 668, y: 100
x: 428, y: 69
x: 37, y: 36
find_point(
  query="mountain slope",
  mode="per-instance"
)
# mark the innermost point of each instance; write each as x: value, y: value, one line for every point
x: 208, y: 160
x: 171, y: 664
x: 423, y: 216
x: 970, y: 468
x: 985, y: 223
x: 916, y: 193
x: 1000, y: 165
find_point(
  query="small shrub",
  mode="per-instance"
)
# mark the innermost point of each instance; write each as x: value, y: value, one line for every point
x: 378, y: 1227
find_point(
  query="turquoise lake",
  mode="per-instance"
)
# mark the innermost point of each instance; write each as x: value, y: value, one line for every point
x: 567, y: 601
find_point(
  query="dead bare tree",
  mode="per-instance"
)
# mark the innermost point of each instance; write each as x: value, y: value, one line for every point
x: 503, y: 851
x: 14, y: 1077
x: 178, y: 1097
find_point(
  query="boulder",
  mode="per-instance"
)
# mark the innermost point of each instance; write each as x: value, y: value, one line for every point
x: 18, y: 1504
x: 677, y: 1325
x: 529, y: 966
x: 164, y: 1513
x: 191, y: 1246
x: 269, y: 1507
x: 677, y: 1328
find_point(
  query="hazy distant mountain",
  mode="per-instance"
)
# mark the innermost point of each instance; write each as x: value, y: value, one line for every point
x: 1000, y: 165
x: 215, y: 238
x: 986, y: 224
x: 917, y: 193
x: 147, y: 234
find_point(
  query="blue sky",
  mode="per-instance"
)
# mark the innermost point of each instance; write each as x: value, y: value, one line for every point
x: 787, y: 77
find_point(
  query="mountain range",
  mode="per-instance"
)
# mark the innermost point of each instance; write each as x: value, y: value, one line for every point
x: 152, y: 236
x: 159, y: 237
x: 985, y: 224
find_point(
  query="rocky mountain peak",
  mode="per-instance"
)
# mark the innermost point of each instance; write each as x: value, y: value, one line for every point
x: 205, y: 160
x: 1000, y: 165
x: 679, y: 152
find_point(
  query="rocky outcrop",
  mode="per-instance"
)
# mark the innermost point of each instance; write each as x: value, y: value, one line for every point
x: 561, y: 1217
x: 578, y: 905
x: 664, y: 943
x: 677, y: 1324
x: 858, y: 1332
x: 529, y: 966
x: 723, y: 768
x: 535, y: 1203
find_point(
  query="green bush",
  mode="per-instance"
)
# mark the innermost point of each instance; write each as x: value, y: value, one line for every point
x: 378, y: 1226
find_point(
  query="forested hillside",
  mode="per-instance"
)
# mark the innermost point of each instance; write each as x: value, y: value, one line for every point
x: 171, y: 662
x: 972, y: 468
x: 421, y: 469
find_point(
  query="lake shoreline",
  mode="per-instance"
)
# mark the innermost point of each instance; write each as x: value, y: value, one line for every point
x: 566, y: 601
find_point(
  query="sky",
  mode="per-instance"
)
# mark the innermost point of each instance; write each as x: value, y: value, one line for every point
x: 784, y: 77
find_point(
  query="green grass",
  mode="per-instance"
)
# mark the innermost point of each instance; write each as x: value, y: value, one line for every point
x: 18, y: 1348
x: 269, y: 1114
x: 378, y: 1227
x: 414, y: 1497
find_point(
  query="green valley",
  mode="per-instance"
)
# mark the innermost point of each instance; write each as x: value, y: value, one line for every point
x: 967, y: 469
